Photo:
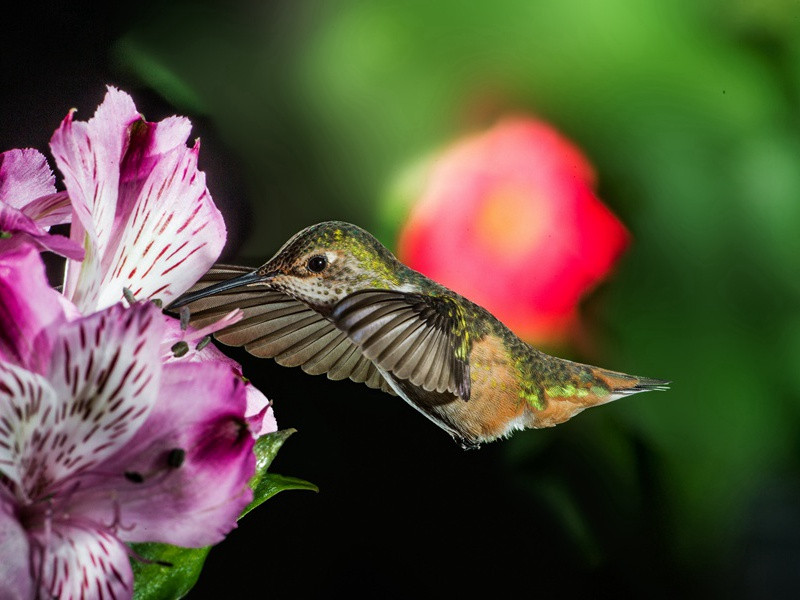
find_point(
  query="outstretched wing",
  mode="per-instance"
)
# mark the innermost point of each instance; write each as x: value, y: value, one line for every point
x: 277, y: 326
x: 415, y: 337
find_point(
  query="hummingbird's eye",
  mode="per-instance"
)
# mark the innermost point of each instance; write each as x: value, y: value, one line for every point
x: 317, y: 264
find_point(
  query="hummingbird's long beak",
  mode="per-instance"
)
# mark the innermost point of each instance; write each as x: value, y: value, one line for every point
x: 222, y: 286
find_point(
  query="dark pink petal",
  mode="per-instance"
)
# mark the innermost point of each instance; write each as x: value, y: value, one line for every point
x: 80, y: 562
x: 24, y: 177
x: 183, y: 478
x: 16, y: 581
x: 13, y: 220
x: 106, y: 370
x: 60, y: 244
x: 258, y: 413
x: 29, y: 204
x: 53, y: 209
x: 28, y: 305
x: 16, y: 229
x: 260, y: 416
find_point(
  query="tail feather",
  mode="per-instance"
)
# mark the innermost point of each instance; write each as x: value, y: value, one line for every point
x: 650, y: 384
x: 621, y: 384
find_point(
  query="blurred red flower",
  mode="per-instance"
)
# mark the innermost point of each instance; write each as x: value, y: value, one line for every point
x: 509, y: 219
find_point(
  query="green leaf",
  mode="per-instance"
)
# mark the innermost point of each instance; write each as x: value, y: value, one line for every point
x: 266, y: 448
x: 272, y: 483
x: 170, y: 573
x: 265, y: 485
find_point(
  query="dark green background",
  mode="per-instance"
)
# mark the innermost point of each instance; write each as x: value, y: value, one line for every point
x: 310, y: 111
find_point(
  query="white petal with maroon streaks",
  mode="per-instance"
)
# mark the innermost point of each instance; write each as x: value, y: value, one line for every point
x: 27, y: 408
x: 145, y: 217
x: 106, y: 371
x: 174, y: 235
x: 82, y: 562
x: 89, y: 155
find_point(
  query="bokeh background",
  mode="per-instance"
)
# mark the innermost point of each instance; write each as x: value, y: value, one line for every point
x: 309, y: 111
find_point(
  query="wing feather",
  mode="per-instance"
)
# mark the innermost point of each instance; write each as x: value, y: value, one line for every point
x: 275, y: 325
x: 414, y: 337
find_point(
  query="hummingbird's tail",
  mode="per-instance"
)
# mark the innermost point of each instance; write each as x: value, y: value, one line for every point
x: 620, y: 384
x: 569, y: 388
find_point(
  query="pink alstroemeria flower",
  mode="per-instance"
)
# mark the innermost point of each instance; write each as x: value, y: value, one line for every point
x: 29, y: 205
x: 141, y: 207
x: 103, y: 443
x: 147, y: 221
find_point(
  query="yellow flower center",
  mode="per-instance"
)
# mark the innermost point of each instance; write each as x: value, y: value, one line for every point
x: 510, y: 221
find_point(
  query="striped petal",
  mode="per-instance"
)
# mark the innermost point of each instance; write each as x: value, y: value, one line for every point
x: 192, y: 460
x: 173, y: 236
x: 28, y: 407
x: 143, y: 211
x: 77, y: 563
x: 105, y: 370
x: 53, y: 209
x: 88, y: 154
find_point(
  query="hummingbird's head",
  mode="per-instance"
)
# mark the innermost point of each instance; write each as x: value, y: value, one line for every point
x: 321, y: 265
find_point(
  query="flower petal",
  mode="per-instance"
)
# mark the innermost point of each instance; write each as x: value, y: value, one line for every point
x: 24, y: 177
x: 106, y: 371
x: 13, y: 220
x: 23, y: 230
x: 89, y: 155
x: 16, y: 581
x: 28, y: 305
x: 258, y: 414
x: 173, y: 237
x: 53, y: 209
x: 192, y: 459
x: 143, y: 210
x: 83, y: 563
x: 27, y: 413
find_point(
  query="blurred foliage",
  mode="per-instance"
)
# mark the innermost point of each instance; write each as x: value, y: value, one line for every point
x: 689, y: 111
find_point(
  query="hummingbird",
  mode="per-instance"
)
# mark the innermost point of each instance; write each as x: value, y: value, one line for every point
x: 334, y: 300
